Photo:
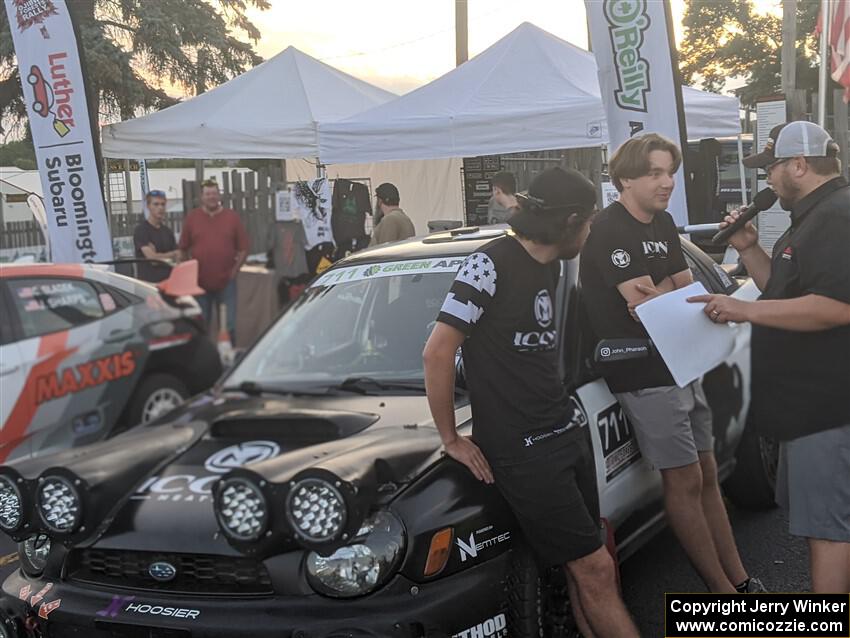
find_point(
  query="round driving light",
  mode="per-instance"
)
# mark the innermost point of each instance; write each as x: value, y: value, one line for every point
x: 7, y: 627
x: 241, y: 509
x: 316, y: 510
x: 59, y: 504
x: 11, y: 505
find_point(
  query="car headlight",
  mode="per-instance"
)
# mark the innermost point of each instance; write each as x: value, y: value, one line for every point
x: 33, y: 553
x: 11, y: 505
x: 316, y: 510
x: 360, y: 568
x: 241, y: 509
x: 59, y: 504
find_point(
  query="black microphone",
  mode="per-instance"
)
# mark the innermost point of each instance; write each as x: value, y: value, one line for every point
x: 763, y: 200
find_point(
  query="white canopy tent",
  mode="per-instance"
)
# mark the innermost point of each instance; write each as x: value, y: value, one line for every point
x: 528, y: 91
x: 271, y: 111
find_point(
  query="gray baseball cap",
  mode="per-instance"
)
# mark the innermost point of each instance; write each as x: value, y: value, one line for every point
x: 792, y: 140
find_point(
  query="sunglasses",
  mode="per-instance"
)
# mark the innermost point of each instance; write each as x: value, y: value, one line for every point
x: 538, y: 204
x: 773, y: 165
x: 156, y: 193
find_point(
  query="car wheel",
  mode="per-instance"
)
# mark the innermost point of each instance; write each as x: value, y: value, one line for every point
x: 752, y: 484
x: 156, y: 395
x: 538, y: 603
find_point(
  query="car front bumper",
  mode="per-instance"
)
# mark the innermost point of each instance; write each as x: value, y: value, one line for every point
x: 401, y: 609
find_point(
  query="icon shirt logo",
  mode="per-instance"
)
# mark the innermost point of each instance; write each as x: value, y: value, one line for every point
x: 620, y: 258
x: 241, y: 454
x: 543, y: 308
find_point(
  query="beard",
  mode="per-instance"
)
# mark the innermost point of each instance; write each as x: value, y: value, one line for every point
x: 573, y: 241
x: 569, y: 249
x: 788, y: 191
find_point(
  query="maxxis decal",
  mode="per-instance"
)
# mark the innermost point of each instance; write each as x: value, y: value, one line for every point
x: 56, y: 384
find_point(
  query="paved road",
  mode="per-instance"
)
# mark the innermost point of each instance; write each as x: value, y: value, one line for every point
x: 780, y: 560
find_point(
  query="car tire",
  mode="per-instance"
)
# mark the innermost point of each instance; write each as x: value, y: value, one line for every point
x: 538, y: 603
x: 157, y: 394
x: 752, y: 485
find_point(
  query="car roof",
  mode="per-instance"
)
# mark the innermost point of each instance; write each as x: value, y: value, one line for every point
x: 42, y: 270
x: 90, y: 272
x: 450, y: 243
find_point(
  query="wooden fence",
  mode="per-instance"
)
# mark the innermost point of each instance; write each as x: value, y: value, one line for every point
x: 249, y: 194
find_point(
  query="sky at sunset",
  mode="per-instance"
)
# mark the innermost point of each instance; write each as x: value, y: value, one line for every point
x: 402, y: 44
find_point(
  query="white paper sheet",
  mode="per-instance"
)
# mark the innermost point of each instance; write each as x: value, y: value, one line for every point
x: 688, y: 341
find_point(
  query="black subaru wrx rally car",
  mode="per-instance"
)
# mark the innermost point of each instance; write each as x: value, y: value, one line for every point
x: 306, y: 495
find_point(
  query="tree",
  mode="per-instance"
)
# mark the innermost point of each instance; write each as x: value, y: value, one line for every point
x: 20, y: 154
x: 129, y: 45
x: 727, y: 39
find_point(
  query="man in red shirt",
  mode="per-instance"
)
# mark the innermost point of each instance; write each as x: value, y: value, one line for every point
x: 215, y: 236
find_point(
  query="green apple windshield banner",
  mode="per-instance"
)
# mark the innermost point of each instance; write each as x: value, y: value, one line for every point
x: 52, y: 82
x: 638, y: 76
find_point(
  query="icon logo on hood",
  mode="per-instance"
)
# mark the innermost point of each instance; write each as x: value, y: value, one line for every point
x: 162, y: 571
x: 241, y: 454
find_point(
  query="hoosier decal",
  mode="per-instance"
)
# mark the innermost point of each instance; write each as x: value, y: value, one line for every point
x: 56, y: 385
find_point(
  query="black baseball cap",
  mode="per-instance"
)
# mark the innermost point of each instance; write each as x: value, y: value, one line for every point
x: 793, y: 139
x: 552, y: 197
x: 388, y: 193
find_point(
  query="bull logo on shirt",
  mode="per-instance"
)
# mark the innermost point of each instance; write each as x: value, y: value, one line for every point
x: 543, y: 308
x: 620, y: 258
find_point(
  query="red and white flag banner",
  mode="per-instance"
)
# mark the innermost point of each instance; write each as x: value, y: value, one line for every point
x: 839, y: 42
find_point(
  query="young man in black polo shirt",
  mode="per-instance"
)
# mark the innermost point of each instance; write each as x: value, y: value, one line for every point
x: 633, y: 254
x: 500, y: 310
x: 154, y: 240
x: 801, y: 341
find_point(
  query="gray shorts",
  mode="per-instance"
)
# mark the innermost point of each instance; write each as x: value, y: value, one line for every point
x: 672, y: 424
x: 813, y: 484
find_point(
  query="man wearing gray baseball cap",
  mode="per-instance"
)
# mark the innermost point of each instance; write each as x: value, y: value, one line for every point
x: 801, y: 341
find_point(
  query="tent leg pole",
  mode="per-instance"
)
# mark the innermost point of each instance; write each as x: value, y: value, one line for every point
x: 741, y: 172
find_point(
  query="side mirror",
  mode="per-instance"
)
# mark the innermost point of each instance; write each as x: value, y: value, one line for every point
x: 609, y: 350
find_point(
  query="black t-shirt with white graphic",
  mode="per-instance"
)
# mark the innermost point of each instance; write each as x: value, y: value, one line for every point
x: 618, y: 249
x: 503, y: 300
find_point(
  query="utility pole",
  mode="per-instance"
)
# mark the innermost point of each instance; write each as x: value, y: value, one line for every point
x: 461, y: 32
x: 200, y: 87
x: 794, y: 99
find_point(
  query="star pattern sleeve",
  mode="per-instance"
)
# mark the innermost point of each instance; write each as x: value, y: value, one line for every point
x: 473, y: 289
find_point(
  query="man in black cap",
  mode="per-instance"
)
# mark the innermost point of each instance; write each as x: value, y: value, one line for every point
x: 500, y: 310
x: 393, y: 224
x: 801, y: 341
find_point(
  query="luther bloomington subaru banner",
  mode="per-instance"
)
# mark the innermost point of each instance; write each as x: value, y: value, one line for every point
x: 54, y: 93
x: 639, y: 90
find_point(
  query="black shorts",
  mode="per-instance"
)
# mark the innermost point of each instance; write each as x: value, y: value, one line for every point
x: 555, y: 499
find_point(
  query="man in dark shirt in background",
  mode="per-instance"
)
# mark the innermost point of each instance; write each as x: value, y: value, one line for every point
x: 154, y: 240
x: 215, y: 236
x: 502, y: 202
x: 633, y: 254
x: 801, y: 341
x: 525, y: 437
x: 393, y: 224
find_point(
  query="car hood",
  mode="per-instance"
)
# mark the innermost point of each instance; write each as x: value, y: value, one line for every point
x: 171, y: 510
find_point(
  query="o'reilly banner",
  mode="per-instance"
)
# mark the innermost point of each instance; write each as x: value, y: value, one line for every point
x: 54, y: 93
x: 640, y: 90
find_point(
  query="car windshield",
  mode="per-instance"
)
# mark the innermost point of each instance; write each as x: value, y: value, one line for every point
x: 357, y: 322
